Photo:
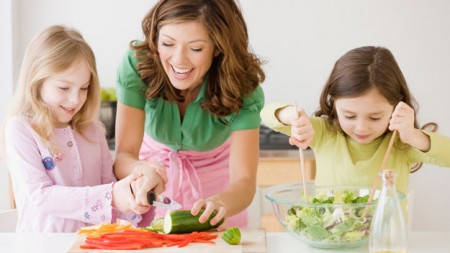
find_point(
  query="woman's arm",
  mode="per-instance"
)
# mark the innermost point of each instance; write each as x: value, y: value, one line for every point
x: 244, y: 154
x: 129, y: 135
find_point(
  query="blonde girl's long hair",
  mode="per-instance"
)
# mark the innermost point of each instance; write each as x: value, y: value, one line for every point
x: 54, y: 50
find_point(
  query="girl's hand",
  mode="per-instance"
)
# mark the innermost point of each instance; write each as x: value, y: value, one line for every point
x: 402, y: 120
x: 209, y: 205
x: 123, y: 199
x: 153, y: 178
x: 302, y: 130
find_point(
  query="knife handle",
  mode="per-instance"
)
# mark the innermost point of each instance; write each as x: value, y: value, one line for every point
x: 151, y: 196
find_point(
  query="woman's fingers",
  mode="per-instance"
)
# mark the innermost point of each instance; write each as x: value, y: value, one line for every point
x: 223, y: 226
x: 123, y: 198
x: 209, y: 206
x: 198, y: 205
x: 153, y: 179
x: 161, y: 171
x: 219, y: 216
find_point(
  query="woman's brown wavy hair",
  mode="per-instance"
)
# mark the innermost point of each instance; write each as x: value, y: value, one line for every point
x: 235, y: 71
x: 359, y: 71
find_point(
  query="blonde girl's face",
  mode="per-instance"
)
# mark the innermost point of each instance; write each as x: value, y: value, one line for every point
x: 65, y: 92
x: 186, y: 52
x: 364, y: 118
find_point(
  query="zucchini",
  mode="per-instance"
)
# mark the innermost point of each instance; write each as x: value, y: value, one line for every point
x: 232, y: 236
x: 157, y: 225
x: 183, y: 221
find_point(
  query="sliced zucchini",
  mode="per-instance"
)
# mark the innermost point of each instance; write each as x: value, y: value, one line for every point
x: 157, y: 225
x: 232, y: 236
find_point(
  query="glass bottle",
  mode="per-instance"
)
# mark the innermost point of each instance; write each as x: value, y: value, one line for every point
x: 388, y: 229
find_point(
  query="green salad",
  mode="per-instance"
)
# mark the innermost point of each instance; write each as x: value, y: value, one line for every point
x: 331, y: 223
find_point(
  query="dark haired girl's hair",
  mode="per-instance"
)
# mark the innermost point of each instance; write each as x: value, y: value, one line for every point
x: 359, y: 71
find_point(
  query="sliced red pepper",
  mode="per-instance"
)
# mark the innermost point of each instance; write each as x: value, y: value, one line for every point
x: 138, y: 239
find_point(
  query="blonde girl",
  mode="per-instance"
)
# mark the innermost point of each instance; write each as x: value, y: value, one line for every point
x: 55, y: 147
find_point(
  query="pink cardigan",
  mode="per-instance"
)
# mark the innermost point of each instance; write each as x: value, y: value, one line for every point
x: 60, y: 192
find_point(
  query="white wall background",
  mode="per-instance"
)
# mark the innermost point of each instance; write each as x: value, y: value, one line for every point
x: 301, y: 40
x: 6, y: 80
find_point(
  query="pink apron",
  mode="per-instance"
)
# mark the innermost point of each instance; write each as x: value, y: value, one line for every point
x: 192, y: 175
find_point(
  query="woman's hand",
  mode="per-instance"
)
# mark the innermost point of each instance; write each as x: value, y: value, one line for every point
x: 209, y: 205
x: 302, y: 130
x: 123, y: 198
x: 153, y: 178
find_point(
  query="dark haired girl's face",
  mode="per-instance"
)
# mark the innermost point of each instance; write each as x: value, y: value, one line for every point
x: 364, y: 118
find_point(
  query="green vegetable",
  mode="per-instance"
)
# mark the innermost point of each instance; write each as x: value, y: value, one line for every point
x: 157, y: 225
x: 232, y: 236
x: 331, y: 223
x: 183, y: 221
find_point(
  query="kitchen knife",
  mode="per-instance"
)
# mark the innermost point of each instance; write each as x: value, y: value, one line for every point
x: 161, y: 201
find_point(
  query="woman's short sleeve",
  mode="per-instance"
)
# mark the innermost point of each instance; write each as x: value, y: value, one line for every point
x: 130, y: 87
x: 248, y: 117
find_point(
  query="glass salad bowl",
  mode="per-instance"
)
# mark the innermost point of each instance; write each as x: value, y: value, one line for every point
x: 331, y: 217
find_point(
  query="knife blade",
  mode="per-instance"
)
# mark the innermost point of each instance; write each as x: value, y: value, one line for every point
x: 161, y: 201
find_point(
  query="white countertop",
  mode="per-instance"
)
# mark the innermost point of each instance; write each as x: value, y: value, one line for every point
x: 419, y: 242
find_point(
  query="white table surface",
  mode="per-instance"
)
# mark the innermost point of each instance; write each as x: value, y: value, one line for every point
x: 419, y: 242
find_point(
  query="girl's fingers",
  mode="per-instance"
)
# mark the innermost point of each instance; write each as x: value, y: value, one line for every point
x: 293, y: 141
x: 140, y: 209
x: 301, y: 141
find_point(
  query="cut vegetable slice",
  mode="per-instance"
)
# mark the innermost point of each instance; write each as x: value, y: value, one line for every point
x: 232, y: 236
x: 157, y: 225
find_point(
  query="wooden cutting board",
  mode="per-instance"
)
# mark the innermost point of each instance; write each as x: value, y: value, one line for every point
x: 253, y: 241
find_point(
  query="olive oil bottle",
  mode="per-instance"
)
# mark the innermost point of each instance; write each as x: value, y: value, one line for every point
x: 388, y: 229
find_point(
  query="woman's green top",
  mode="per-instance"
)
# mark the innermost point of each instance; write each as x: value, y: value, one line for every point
x: 200, y: 130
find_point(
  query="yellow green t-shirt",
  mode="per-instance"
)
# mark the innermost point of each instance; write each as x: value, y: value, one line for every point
x: 341, y: 161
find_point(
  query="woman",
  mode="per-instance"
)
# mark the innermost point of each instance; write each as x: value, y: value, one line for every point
x: 189, y: 101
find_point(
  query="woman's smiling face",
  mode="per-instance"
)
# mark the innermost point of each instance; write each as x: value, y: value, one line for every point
x: 186, y: 52
x: 364, y: 118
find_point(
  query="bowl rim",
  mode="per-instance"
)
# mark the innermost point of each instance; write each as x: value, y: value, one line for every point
x: 289, y: 187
